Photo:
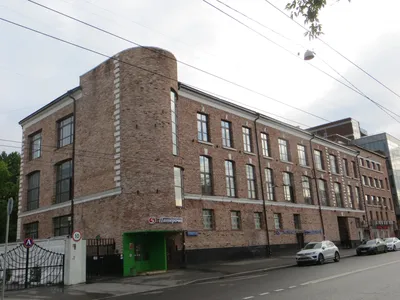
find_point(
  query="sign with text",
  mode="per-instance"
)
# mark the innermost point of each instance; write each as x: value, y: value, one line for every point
x: 165, y: 220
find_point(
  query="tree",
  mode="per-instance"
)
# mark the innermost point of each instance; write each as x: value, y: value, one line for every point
x: 309, y: 10
x: 9, y: 182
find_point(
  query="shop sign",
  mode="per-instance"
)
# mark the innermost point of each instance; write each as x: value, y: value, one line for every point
x: 382, y: 227
x: 383, y: 222
x: 165, y: 220
x: 192, y: 233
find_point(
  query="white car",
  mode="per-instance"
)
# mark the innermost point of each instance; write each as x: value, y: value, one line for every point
x: 392, y: 243
x: 318, y: 253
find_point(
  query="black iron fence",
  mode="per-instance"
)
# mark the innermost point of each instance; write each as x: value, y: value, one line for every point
x: 32, y: 267
x: 102, y: 260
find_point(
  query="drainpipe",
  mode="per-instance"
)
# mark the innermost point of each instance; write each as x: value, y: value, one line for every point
x: 317, y: 187
x: 73, y: 164
x: 268, y: 248
x: 363, y: 195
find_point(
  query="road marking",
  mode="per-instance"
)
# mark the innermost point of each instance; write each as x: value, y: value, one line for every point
x: 263, y: 294
x: 349, y: 273
x: 292, y: 287
x: 222, y: 280
x: 250, y: 297
x: 279, y: 290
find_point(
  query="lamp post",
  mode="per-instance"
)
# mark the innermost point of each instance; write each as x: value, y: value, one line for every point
x: 10, y: 205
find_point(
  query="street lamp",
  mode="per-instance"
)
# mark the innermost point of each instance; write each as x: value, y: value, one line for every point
x: 308, y: 55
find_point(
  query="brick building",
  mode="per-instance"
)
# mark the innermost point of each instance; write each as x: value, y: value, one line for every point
x: 174, y: 174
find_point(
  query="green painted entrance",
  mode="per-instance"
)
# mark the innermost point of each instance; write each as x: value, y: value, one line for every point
x: 144, y: 252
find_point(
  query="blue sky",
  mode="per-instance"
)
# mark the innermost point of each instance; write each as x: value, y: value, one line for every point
x: 35, y: 70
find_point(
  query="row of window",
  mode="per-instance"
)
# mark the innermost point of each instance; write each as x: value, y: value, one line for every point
x: 61, y: 226
x: 63, y: 185
x: 376, y: 200
x: 375, y: 182
x: 377, y: 214
x: 370, y: 164
x: 236, y: 220
x: 206, y: 182
x: 65, y: 131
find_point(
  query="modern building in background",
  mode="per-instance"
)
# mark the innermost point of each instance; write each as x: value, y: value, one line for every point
x: 175, y: 175
x: 382, y: 143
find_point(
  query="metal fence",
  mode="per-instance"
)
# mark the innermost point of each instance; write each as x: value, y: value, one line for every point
x: 32, y: 267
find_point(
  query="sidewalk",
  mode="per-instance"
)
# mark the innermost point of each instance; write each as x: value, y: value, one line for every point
x: 148, y: 283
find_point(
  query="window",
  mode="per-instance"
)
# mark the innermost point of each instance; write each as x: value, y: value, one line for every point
x: 378, y: 200
x: 269, y: 181
x: 235, y: 220
x: 301, y: 151
x: 323, y: 192
x: 368, y: 164
x: 202, y: 127
x: 361, y: 162
x: 63, y: 184
x: 381, y: 183
x: 226, y: 129
x: 174, y: 122
x: 265, y: 144
x: 283, y: 150
x: 251, y: 182
x: 384, y: 201
x: 381, y: 215
x: 387, y: 216
x: 247, y: 139
x: 208, y: 218
x: 373, y: 165
x: 257, y: 220
x: 306, y: 183
x: 288, y: 186
x: 332, y: 160
x: 390, y: 204
x: 357, y: 194
x: 66, y: 131
x: 318, y: 160
x: 230, y: 178
x: 371, y: 216
x: 376, y: 182
x: 345, y: 167
x: 32, y: 230
x: 33, y: 191
x: 206, y: 175
x: 378, y: 167
x: 373, y: 200
x: 367, y: 199
x: 297, y: 222
x: 278, y: 221
x: 377, y: 215
x: 35, y: 145
x: 355, y: 171
x: 62, y: 225
x: 365, y: 180
x: 338, y: 194
x: 371, y: 182
x: 178, y: 183
x: 350, y: 193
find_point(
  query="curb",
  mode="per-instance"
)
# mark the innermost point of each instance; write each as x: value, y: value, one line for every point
x: 256, y: 271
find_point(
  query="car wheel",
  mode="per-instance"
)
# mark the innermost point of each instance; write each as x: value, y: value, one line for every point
x: 385, y: 250
x: 394, y: 248
x: 321, y: 259
x: 358, y: 253
x: 337, y: 257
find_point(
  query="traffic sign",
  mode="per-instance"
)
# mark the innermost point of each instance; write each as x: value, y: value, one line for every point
x: 10, y: 206
x: 152, y: 220
x: 28, y: 243
x: 76, y: 236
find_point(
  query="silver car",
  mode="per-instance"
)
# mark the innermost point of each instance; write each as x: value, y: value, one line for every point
x: 393, y: 243
x: 318, y: 253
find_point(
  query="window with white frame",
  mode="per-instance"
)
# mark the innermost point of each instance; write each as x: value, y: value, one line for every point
x: 301, y: 152
x: 350, y: 195
x: 208, y: 219
x: 278, y: 221
x: 35, y: 145
x: 333, y: 161
x: 269, y: 184
x: 174, y: 122
x: 323, y: 192
x: 202, y: 127
x: 206, y: 175
x: 265, y: 144
x: 306, y: 183
x: 226, y: 131
x: 178, y: 183
x: 338, y: 194
x: 251, y: 182
x: 230, y: 178
x: 288, y: 190
x: 257, y: 220
x: 319, y: 165
x: 283, y: 150
x: 235, y: 220
x: 247, y: 139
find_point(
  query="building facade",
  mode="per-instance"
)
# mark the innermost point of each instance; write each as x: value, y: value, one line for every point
x: 176, y: 176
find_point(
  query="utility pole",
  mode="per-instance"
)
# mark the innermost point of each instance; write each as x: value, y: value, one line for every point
x: 10, y: 205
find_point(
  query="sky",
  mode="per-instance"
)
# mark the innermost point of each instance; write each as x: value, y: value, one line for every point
x: 35, y: 70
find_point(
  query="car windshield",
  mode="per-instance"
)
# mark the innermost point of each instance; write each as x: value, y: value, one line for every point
x: 313, y: 246
x: 389, y: 240
x: 371, y: 242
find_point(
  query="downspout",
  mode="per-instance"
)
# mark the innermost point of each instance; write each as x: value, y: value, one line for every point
x: 317, y: 187
x: 73, y: 164
x: 363, y: 195
x: 268, y: 248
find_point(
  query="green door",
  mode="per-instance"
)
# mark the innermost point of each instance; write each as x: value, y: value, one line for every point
x: 142, y: 253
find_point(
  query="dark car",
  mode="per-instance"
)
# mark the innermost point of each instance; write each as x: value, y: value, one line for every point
x: 372, y: 247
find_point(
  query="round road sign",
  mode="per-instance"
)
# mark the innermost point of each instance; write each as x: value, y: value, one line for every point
x: 28, y: 243
x: 76, y: 236
x: 152, y: 220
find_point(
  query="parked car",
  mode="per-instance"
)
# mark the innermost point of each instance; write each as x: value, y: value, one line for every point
x: 372, y: 247
x: 318, y: 253
x: 392, y: 243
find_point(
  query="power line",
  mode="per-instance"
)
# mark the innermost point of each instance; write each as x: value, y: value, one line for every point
x: 137, y: 44
x: 333, y: 49
x: 353, y: 88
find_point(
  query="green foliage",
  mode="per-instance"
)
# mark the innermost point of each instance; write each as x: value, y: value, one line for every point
x: 9, y: 182
x: 309, y: 10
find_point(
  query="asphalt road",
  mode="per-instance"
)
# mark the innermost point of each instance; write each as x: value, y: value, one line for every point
x: 367, y: 277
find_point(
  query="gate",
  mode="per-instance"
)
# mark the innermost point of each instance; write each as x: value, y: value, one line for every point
x: 102, y: 260
x: 32, y: 267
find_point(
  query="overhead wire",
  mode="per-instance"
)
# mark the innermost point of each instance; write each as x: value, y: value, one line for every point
x: 333, y: 49
x: 139, y: 45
